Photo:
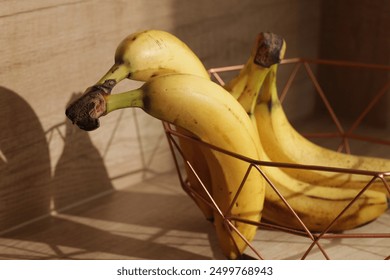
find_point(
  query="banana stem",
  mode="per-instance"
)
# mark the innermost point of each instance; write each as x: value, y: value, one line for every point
x: 132, y: 98
x: 260, y: 77
x: 253, y: 84
x: 269, y: 85
x: 117, y: 73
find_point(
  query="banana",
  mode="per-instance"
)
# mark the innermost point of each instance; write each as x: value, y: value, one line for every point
x: 150, y: 53
x: 289, y: 201
x: 188, y: 101
x: 316, y: 205
x: 142, y: 56
x: 284, y: 144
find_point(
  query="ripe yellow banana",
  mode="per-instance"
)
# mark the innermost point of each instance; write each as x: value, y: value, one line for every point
x: 150, y: 53
x: 284, y: 144
x: 316, y: 205
x: 212, y: 114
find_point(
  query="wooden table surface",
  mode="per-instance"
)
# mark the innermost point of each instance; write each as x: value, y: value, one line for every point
x: 155, y: 219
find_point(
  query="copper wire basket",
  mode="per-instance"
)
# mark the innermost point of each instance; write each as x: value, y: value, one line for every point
x: 314, y: 240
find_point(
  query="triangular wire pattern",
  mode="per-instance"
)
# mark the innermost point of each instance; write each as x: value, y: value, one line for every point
x: 256, y: 166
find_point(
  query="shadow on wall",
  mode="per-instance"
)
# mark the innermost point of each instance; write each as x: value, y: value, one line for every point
x: 80, y: 173
x: 27, y: 188
x: 223, y: 32
x: 29, y: 191
x: 24, y: 162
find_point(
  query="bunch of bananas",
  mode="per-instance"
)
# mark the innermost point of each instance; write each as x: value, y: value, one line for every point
x: 178, y: 90
x: 300, y: 198
x: 243, y: 118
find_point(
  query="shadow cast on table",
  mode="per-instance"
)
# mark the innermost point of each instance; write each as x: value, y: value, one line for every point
x: 72, y: 240
x: 109, y: 226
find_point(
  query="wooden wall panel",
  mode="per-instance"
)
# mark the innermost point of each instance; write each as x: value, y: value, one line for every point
x: 356, y: 31
x: 53, y: 50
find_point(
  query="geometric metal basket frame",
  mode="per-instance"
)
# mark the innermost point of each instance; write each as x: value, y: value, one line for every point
x: 314, y: 238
